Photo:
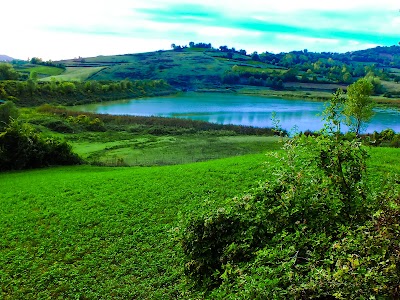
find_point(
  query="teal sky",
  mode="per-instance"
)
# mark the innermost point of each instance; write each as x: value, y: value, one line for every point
x: 56, y: 30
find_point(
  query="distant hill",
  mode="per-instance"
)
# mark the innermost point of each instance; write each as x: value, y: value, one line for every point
x: 5, y: 58
x: 194, y: 68
x: 185, y: 69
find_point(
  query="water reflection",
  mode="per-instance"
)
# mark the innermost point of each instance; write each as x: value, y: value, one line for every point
x: 237, y: 109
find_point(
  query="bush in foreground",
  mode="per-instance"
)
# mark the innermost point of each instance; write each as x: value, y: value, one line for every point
x: 317, y: 230
x: 21, y: 147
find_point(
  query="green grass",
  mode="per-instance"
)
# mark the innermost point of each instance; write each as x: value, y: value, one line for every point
x: 42, y: 70
x: 76, y: 74
x: 95, y: 232
x: 265, y: 69
x: 99, y: 232
x: 384, y: 160
x: 308, y: 95
x: 148, y: 150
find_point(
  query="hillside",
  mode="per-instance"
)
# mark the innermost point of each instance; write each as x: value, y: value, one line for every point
x: 205, y: 68
x: 186, y: 69
x: 296, y: 74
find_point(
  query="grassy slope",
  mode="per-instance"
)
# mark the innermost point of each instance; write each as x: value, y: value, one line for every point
x: 95, y: 232
x: 176, y: 67
x: 75, y: 74
x: 41, y: 70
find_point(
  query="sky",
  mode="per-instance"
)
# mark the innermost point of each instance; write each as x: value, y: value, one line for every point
x: 54, y: 30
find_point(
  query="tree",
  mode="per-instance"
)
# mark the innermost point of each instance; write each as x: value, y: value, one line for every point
x: 34, y: 76
x: 358, y: 105
x: 8, y: 112
x: 36, y: 60
x: 255, y: 56
x: 7, y: 72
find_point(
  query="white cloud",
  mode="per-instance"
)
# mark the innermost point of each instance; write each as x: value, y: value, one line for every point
x: 51, y: 29
x: 224, y: 32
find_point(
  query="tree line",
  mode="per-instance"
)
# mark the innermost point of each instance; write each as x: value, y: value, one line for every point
x: 32, y: 92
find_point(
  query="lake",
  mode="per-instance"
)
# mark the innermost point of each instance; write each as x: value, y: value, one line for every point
x: 236, y: 109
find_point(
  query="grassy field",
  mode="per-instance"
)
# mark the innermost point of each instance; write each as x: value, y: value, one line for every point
x: 148, y: 150
x: 76, y: 74
x: 99, y: 232
x: 41, y: 70
x: 95, y: 232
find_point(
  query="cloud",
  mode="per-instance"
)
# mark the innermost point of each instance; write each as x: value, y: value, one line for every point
x: 90, y: 27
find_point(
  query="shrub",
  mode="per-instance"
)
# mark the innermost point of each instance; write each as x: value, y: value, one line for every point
x: 8, y: 112
x: 21, y: 147
x: 316, y: 229
x: 59, y: 126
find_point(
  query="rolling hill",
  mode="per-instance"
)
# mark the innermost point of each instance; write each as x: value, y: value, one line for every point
x: 186, y: 69
x: 194, y: 68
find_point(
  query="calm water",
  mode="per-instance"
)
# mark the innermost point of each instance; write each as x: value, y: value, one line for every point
x: 237, y: 109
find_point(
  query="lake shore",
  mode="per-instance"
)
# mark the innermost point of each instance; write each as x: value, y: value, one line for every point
x: 309, y: 95
x: 238, y: 108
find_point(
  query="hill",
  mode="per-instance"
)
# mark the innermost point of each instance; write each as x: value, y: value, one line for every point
x: 5, y: 58
x: 184, y: 69
x: 205, y: 68
x: 200, y: 67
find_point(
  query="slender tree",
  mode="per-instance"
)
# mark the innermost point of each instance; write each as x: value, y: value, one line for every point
x: 358, y: 105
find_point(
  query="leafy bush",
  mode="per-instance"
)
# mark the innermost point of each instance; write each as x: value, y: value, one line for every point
x: 92, y: 124
x: 8, y: 112
x: 317, y: 229
x: 21, y: 147
x: 59, y: 126
x: 386, y: 138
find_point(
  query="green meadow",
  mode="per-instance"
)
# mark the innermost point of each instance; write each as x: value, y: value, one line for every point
x: 43, y: 71
x: 113, y: 227
x: 90, y: 232
x: 98, y: 232
x: 75, y: 74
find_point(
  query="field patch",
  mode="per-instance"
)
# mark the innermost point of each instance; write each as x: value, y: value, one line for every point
x: 42, y: 70
x: 95, y: 232
x: 76, y: 74
x: 150, y: 150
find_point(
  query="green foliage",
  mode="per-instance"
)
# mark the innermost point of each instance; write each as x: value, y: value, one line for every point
x: 7, y: 72
x: 161, y: 124
x: 358, y: 105
x: 89, y: 123
x: 8, y: 112
x: 33, y: 93
x: 385, y: 138
x: 21, y: 147
x: 310, y: 231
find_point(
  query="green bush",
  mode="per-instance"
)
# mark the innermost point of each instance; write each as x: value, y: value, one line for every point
x: 21, y: 147
x: 59, y: 126
x: 8, y: 112
x: 318, y: 229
